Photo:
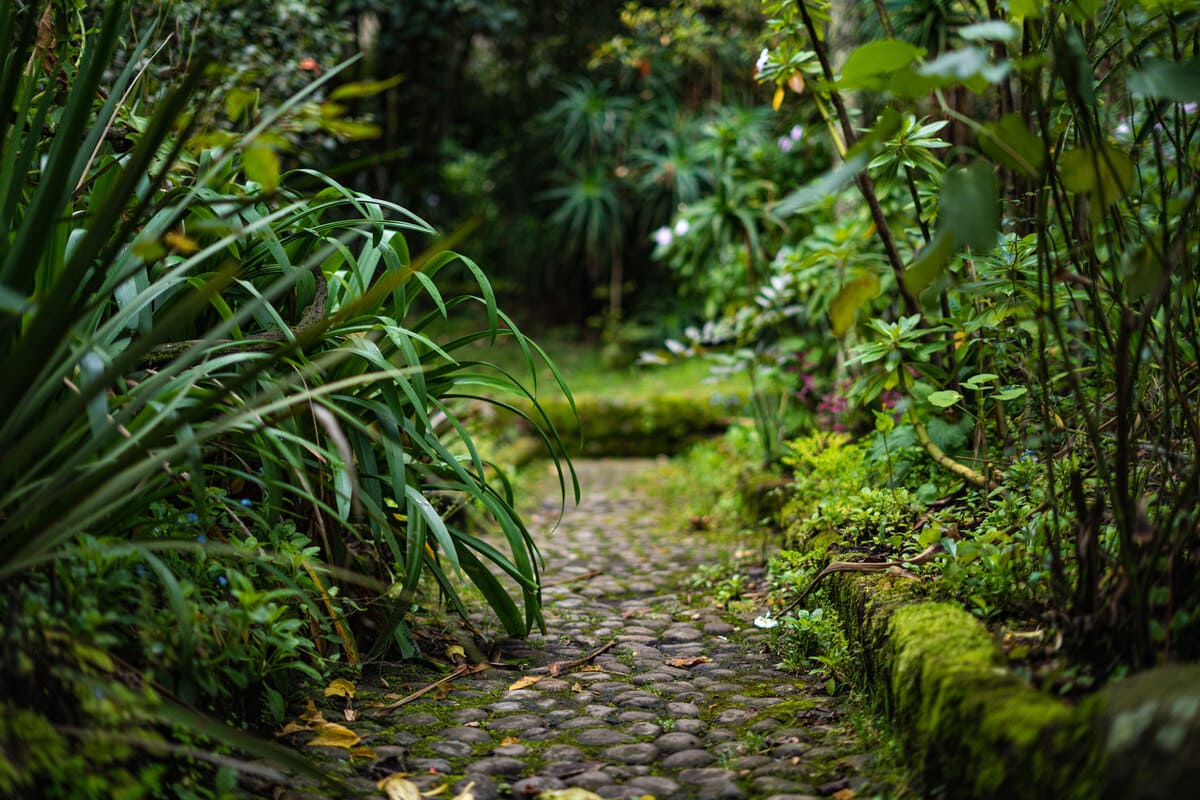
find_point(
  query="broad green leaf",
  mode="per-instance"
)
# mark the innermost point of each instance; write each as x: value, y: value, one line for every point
x: 931, y: 262
x: 970, y: 66
x: 854, y: 293
x: 1142, y: 270
x: 865, y: 66
x: 364, y: 88
x: 976, y: 382
x: 1011, y: 393
x: 944, y: 398
x: 1024, y: 9
x: 1010, y: 143
x: 1163, y: 80
x: 993, y: 30
x: 970, y: 207
x: 1108, y: 171
x: 261, y: 165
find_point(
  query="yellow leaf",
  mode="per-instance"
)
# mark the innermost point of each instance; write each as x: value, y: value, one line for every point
x: 339, y: 687
x: 591, y: 668
x: 456, y: 654
x: 397, y: 787
x: 468, y: 792
x: 364, y: 752
x: 507, y: 740
x: 574, y: 793
x: 181, y: 242
x: 294, y: 727
x: 577, y: 687
x: 334, y: 735
x: 778, y: 99
x: 523, y: 683
x: 311, y: 714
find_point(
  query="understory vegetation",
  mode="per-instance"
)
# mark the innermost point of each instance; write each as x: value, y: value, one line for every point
x: 937, y: 260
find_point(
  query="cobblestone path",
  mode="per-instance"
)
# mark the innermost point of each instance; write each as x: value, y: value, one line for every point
x: 725, y: 724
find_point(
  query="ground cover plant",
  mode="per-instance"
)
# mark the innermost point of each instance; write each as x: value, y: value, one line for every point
x: 1005, y: 307
x: 233, y: 456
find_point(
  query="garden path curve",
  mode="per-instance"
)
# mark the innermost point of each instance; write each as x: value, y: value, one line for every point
x: 726, y: 723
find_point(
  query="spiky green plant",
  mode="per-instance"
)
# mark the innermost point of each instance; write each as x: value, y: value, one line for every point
x: 178, y: 329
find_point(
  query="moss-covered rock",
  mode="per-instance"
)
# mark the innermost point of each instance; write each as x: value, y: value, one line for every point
x: 1149, y: 729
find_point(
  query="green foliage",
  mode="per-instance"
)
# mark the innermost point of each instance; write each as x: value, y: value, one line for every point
x: 1036, y: 291
x: 233, y: 444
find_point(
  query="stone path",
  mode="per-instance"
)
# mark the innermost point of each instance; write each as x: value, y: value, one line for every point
x: 725, y: 724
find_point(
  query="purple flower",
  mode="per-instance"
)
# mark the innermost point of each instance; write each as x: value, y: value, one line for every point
x: 785, y: 143
x: 796, y: 133
x: 1189, y: 108
x: 682, y: 227
x: 662, y: 236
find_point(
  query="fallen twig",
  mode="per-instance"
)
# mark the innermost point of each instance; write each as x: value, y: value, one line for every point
x: 862, y: 566
x: 584, y: 577
x: 465, y: 669
x: 559, y: 667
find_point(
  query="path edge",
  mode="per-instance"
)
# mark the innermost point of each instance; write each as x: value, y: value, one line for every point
x: 971, y: 727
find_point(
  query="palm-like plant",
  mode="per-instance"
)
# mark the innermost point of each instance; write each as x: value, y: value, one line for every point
x: 152, y: 360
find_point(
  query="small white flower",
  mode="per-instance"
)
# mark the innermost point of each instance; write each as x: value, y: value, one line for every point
x: 763, y: 57
x: 662, y: 236
x: 765, y: 621
x: 682, y: 227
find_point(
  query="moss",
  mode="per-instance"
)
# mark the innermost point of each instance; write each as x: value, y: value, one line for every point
x: 614, y: 425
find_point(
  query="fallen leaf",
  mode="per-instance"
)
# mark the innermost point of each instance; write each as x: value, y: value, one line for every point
x: 350, y: 714
x: 471, y: 725
x: 294, y: 727
x: 333, y: 735
x: 507, y: 740
x: 468, y: 792
x: 591, y: 668
x: 528, y: 680
x: 574, y: 793
x: 577, y: 687
x: 397, y: 787
x: 311, y: 714
x: 844, y: 794
x: 339, y: 687
x: 456, y: 654
x: 688, y: 661
x: 364, y: 752
x: 434, y: 792
x: 443, y: 691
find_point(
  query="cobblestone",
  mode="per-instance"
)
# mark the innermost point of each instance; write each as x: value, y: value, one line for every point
x: 720, y: 724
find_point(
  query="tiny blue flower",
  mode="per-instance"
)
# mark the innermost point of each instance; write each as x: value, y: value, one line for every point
x: 247, y: 502
x: 222, y: 580
x: 192, y: 516
x: 98, y: 692
x: 202, y: 538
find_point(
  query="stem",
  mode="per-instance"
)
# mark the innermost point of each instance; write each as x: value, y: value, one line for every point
x: 865, y: 185
x: 972, y: 477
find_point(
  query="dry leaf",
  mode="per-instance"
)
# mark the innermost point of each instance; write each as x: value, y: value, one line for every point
x: 443, y: 691
x: 468, y: 792
x: 396, y: 787
x: 844, y: 794
x: 294, y: 727
x: 339, y: 687
x: 456, y: 654
x: 688, y: 661
x: 558, y: 667
x: 311, y: 714
x: 574, y: 793
x: 364, y: 752
x: 350, y: 714
x: 577, y: 687
x: 591, y: 668
x: 507, y: 740
x: 528, y: 680
x: 334, y: 735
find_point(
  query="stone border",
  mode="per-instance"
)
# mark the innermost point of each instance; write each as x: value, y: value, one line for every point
x: 974, y: 729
